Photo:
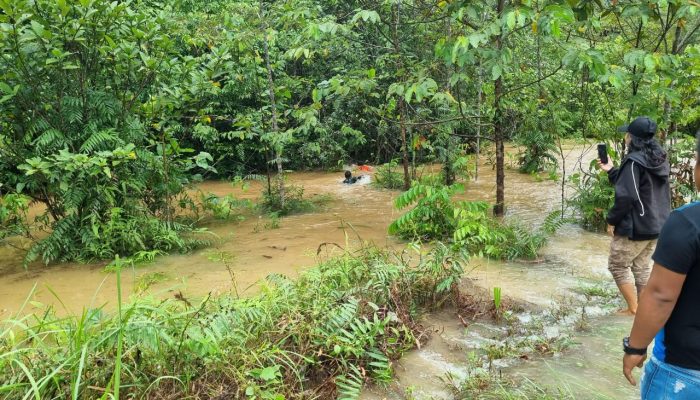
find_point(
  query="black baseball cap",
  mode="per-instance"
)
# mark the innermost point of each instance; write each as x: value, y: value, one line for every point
x: 641, y: 127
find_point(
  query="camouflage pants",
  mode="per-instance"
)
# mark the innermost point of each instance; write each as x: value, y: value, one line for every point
x: 630, y: 260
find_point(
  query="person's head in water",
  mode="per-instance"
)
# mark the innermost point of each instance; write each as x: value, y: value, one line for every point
x: 348, y: 174
x: 640, y: 138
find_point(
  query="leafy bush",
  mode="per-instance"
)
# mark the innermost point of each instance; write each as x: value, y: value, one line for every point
x: 436, y: 216
x: 682, y: 160
x: 81, y: 130
x: 13, y: 215
x: 538, y: 153
x: 294, y: 201
x: 323, y: 335
x: 226, y: 207
x: 98, y: 210
x: 387, y: 177
x: 594, y: 196
x: 433, y: 216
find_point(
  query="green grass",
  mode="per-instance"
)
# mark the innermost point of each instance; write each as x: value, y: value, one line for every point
x: 322, y: 335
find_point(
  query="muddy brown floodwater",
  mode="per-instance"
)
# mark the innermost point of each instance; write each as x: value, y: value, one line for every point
x: 362, y: 213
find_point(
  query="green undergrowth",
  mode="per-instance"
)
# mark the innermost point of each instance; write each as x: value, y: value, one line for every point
x: 387, y: 176
x: 485, y: 385
x: 323, y: 335
x: 294, y: 201
x: 434, y: 214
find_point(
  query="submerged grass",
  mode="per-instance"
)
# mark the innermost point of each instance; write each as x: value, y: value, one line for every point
x: 325, y: 334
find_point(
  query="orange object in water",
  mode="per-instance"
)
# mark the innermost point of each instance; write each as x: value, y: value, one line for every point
x: 366, y: 168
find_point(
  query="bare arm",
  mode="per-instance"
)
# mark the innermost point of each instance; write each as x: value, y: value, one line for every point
x: 655, y: 307
x: 656, y: 304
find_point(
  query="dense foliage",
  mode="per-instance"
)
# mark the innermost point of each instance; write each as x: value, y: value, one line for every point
x: 109, y: 110
x: 320, y: 336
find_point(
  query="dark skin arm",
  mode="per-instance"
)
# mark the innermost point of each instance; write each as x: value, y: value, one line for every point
x: 655, y: 307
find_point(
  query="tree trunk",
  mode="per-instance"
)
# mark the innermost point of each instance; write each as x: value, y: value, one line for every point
x: 396, y: 10
x: 404, y: 146
x: 273, y: 106
x: 499, y: 207
x: 667, y: 104
x: 450, y: 145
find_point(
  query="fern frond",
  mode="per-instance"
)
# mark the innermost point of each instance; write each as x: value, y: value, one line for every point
x: 51, y: 138
x: 100, y: 140
x: 349, y: 385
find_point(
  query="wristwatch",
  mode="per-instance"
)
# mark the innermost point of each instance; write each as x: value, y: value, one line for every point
x: 632, y: 350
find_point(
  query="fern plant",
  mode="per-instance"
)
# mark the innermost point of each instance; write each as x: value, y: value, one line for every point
x: 467, y: 224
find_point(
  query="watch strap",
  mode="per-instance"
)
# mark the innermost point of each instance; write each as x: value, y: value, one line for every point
x: 632, y: 350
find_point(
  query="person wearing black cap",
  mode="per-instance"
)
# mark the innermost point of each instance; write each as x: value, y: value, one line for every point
x: 642, y: 205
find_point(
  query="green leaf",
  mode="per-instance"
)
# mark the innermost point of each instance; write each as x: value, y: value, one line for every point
x: 649, y: 63
x: 409, y: 93
x: 63, y: 7
x: 614, y: 80
x: 38, y: 28
x: 510, y: 20
x: 269, y: 373
x: 496, y: 72
x: 371, y: 73
x: 475, y: 39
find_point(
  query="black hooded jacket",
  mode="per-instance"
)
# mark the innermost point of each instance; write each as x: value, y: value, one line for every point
x: 642, y: 197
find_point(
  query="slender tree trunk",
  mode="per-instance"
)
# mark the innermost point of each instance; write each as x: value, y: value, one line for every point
x: 273, y: 105
x: 667, y: 104
x: 404, y: 146
x: 635, y: 79
x: 396, y: 10
x: 166, y: 174
x: 448, y: 167
x: 480, y: 99
x: 499, y: 208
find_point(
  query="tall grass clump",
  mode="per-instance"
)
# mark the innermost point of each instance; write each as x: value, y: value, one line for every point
x: 325, y: 334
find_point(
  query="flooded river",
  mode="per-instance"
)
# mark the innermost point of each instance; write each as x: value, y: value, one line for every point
x: 360, y: 212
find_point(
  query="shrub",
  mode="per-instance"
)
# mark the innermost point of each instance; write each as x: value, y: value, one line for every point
x: 79, y: 130
x: 594, y: 196
x: 467, y: 224
x: 225, y: 208
x: 13, y: 215
x: 320, y: 336
x: 387, y: 177
x: 294, y: 201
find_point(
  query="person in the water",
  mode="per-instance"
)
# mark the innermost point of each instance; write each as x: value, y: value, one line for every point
x: 349, y: 179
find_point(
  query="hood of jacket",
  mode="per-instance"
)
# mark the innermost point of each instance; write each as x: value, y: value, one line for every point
x: 662, y: 169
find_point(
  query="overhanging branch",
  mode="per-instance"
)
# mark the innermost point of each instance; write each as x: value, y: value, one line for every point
x: 544, y: 77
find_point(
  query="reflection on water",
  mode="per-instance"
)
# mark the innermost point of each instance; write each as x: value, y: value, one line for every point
x: 361, y: 213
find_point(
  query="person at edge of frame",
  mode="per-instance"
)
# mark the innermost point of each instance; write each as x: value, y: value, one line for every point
x: 668, y: 311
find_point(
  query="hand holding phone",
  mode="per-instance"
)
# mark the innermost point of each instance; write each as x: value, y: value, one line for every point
x: 603, y: 153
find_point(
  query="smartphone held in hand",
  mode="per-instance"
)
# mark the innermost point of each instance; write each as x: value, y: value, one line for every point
x: 603, y: 153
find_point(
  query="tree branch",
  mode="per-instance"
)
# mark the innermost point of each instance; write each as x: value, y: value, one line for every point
x: 687, y: 38
x: 544, y: 77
